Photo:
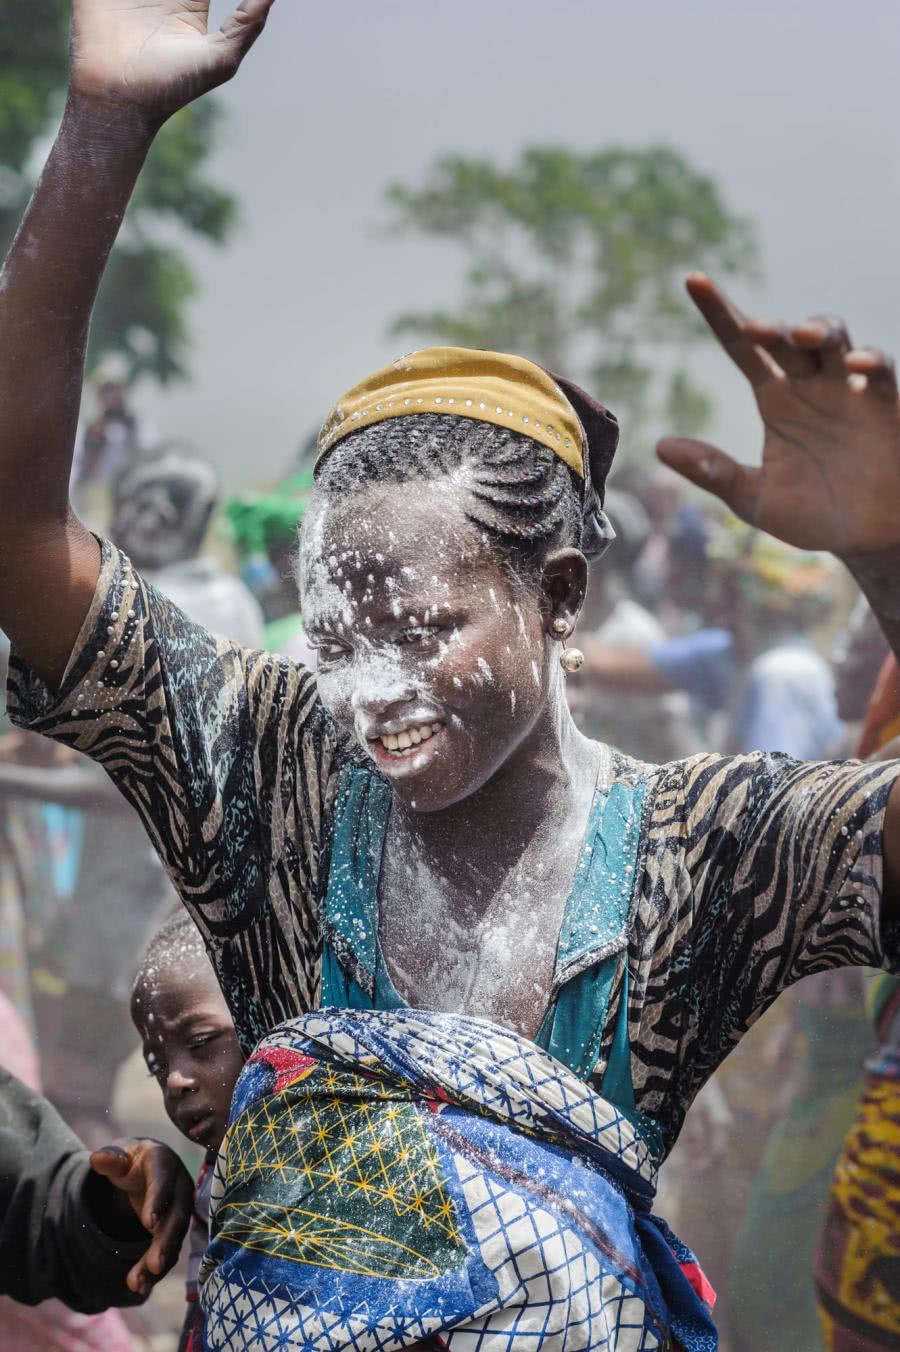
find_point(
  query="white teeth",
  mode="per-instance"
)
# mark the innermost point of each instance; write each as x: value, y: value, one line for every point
x: 409, y: 737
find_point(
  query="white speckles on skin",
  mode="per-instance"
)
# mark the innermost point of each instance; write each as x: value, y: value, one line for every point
x: 322, y: 594
x: 485, y: 668
x: 535, y: 673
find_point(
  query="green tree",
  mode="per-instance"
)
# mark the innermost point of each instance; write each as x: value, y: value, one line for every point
x: 141, y: 310
x: 577, y: 260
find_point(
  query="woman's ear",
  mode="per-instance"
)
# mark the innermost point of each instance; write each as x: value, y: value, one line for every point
x: 564, y: 584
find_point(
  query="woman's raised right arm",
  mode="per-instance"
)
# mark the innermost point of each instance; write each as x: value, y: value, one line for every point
x: 132, y: 67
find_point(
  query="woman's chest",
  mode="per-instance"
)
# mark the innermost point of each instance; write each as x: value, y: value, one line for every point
x: 492, y: 957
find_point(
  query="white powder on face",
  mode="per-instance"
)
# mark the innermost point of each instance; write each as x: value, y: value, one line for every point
x: 321, y: 591
x: 372, y: 679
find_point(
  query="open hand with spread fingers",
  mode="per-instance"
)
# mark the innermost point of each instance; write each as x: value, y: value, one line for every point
x: 158, y: 55
x: 830, y: 472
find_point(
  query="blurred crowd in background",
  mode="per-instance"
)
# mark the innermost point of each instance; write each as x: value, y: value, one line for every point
x: 698, y: 635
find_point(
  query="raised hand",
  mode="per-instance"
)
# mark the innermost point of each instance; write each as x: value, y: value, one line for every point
x: 830, y: 473
x: 157, y: 55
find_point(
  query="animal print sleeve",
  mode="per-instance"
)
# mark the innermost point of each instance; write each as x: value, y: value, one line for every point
x: 784, y: 863
x: 225, y: 754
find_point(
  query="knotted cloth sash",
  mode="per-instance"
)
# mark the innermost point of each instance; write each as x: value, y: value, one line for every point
x: 392, y: 1176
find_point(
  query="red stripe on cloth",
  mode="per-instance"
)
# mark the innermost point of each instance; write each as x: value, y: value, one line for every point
x: 700, y: 1282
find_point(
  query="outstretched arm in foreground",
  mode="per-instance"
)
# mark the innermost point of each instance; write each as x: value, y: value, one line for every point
x: 132, y: 67
x: 830, y: 472
x: 93, y: 1231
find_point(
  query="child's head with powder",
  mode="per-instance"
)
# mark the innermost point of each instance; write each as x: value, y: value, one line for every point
x: 188, y: 1036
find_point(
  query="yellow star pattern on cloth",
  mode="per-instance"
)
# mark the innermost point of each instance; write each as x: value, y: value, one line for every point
x: 324, y: 1173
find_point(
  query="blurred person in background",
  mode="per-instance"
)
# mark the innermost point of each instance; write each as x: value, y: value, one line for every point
x: 109, y: 443
x: 162, y: 508
x: 858, y: 656
x: 264, y: 527
x: 73, y: 962
x: 652, y: 729
x: 752, y: 661
x: 659, y: 492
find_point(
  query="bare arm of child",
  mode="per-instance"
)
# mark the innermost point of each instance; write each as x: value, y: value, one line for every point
x: 830, y: 471
x: 132, y: 67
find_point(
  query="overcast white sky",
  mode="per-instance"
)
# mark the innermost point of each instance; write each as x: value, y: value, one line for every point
x: 793, y: 107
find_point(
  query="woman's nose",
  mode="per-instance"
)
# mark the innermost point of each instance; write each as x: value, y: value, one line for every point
x: 382, y: 699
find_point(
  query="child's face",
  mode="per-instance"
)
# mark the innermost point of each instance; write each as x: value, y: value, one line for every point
x: 429, y: 651
x: 190, y: 1047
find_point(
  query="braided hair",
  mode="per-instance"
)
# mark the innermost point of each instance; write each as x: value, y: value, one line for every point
x: 516, y: 491
x: 177, y: 943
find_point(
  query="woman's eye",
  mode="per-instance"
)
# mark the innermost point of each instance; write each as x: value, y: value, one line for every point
x: 156, y: 1071
x: 329, y: 653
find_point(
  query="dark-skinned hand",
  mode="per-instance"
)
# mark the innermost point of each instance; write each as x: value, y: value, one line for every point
x: 830, y: 472
x: 160, y: 54
x: 150, y: 1183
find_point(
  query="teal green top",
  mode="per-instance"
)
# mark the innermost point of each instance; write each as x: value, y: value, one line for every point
x: 592, y: 936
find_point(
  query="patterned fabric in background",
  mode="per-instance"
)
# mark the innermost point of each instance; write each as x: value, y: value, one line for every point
x: 389, y: 1178
x: 858, y: 1269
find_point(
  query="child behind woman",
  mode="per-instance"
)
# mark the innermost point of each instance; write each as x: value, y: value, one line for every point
x: 191, y: 1049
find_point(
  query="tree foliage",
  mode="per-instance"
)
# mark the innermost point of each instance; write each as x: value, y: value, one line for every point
x: 141, y: 310
x: 577, y: 259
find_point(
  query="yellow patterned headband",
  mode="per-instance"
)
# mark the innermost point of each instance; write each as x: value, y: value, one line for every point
x: 492, y: 386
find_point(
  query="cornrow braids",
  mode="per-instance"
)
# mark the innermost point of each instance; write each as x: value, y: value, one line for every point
x: 521, y: 495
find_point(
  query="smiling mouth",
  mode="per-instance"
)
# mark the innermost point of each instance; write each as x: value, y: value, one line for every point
x: 405, y: 741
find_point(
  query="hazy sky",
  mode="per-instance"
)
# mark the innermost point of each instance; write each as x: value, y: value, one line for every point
x: 791, y: 106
